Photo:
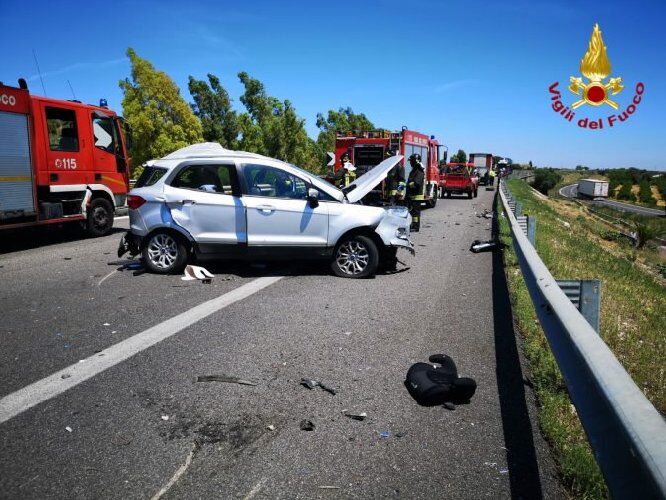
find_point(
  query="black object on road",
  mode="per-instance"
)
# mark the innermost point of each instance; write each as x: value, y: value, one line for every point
x: 313, y: 384
x: 307, y: 425
x: 479, y: 246
x: 432, y: 385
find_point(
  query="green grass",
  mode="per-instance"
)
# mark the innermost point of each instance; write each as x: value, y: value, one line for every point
x: 632, y: 311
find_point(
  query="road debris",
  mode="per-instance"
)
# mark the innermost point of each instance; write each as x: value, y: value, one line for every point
x: 122, y: 439
x: 197, y: 273
x: 68, y: 429
x: 165, y: 417
x: 225, y: 378
x: 479, y: 246
x: 438, y: 383
x: 312, y: 384
x: 384, y: 434
x: 449, y: 406
x: 307, y: 425
x: 355, y: 416
x: 270, y: 427
x: 65, y: 375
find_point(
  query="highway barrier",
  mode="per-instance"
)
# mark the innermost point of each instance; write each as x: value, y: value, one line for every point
x: 626, y: 433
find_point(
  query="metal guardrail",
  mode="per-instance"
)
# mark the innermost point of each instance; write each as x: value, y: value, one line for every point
x: 625, y: 431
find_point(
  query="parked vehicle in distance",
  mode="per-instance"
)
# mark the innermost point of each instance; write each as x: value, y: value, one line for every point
x: 207, y: 202
x: 458, y: 178
x: 60, y: 161
x: 593, y: 188
x: 482, y: 162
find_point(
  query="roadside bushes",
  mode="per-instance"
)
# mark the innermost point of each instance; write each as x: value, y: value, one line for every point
x: 545, y: 179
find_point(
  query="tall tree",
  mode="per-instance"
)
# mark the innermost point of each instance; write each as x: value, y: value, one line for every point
x: 160, y: 118
x: 213, y: 107
x: 459, y: 157
x: 341, y: 120
x: 273, y: 128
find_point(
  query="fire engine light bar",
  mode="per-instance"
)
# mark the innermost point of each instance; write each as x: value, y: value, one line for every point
x: 102, y: 103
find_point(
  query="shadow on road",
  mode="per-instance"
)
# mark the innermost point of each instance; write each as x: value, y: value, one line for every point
x: 17, y: 240
x: 521, y: 456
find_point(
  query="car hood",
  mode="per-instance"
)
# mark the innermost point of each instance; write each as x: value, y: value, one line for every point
x: 364, y: 184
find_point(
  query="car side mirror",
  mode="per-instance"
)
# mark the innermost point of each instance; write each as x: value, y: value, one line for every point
x: 313, y: 198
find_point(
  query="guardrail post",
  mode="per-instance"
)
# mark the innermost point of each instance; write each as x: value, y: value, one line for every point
x: 586, y: 296
x: 518, y: 209
x: 531, y: 229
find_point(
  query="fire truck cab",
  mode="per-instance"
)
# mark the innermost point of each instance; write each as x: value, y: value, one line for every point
x: 60, y: 161
x: 368, y: 148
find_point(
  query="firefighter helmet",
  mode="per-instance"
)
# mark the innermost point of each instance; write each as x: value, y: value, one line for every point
x: 415, y: 158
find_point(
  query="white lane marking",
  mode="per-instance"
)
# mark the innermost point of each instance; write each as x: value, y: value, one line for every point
x: 255, y: 490
x: 181, y: 470
x: 107, y: 276
x: 63, y: 380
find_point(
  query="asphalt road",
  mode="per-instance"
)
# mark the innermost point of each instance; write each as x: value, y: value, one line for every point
x: 571, y: 191
x: 143, y: 427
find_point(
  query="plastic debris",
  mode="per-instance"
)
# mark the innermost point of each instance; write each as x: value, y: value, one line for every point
x: 504, y: 471
x: 307, y: 425
x: 312, y: 384
x: 165, y: 417
x: 197, y: 273
x: 65, y: 375
x: 106, y: 324
x: 384, y: 434
x: 68, y: 429
x: 479, y: 246
x: 270, y: 427
x: 355, y: 416
x: 225, y: 378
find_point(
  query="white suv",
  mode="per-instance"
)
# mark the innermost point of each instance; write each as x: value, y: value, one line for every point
x: 205, y: 201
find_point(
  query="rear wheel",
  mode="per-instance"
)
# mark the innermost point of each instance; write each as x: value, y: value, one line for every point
x: 99, y: 217
x: 470, y: 194
x: 476, y: 193
x: 164, y: 253
x: 355, y: 257
x: 448, y: 194
x: 432, y: 202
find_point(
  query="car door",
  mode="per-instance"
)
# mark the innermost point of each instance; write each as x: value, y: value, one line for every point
x: 278, y: 212
x: 204, y: 199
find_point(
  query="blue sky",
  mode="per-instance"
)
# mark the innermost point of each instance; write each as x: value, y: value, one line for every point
x: 473, y: 73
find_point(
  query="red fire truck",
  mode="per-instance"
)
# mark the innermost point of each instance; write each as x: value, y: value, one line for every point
x: 367, y: 149
x: 60, y: 161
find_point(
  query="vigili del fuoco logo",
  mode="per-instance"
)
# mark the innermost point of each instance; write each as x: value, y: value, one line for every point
x: 594, y: 88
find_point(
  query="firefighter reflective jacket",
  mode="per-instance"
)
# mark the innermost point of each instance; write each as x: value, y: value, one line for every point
x: 415, y: 184
x: 395, y: 176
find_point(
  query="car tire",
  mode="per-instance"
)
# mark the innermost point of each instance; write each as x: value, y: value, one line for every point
x: 476, y: 193
x: 99, y: 217
x: 470, y: 194
x: 448, y: 194
x: 164, y: 253
x: 355, y: 257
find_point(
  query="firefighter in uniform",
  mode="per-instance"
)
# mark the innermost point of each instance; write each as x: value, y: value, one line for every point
x: 491, y: 176
x: 396, y: 181
x: 415, y: 190
x: 346, y: 174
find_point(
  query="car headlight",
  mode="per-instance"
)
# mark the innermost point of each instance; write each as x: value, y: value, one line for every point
x: 399, y: 212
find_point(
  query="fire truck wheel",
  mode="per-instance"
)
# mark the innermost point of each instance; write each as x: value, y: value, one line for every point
x: 100, y: 217
x: 164, y: 253
x: 355, y: 257
x: 448, y: 194
x: 432, y: 203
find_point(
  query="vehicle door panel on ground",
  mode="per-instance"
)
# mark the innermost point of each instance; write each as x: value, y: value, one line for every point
x: 204, y: 199
x: 278, y: 211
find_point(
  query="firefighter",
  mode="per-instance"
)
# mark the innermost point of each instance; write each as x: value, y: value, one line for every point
x: 396, y: 181
x: 491, y: 176
x: 347, y: 172
x: 415, y: 190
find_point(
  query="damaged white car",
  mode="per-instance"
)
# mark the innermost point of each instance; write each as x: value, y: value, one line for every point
x: 206, y: 202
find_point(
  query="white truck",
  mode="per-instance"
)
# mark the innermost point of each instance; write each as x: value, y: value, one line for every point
x: 593, y: 188
x: 482, y: 162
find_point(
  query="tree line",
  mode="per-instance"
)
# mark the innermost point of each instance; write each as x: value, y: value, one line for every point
x: 162, y: 121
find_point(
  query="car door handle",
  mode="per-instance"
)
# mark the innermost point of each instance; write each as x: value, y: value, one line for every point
x: 266, y: 208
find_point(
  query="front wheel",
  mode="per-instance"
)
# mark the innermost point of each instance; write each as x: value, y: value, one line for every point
x: 355, y: 257
x: 432, y: 202
x: 164, y: 253
x: 476, y: 193
x: 99, y: 217
x: 469, y: 195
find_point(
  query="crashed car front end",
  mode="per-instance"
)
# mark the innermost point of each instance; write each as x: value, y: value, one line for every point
x: 393, y: 229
